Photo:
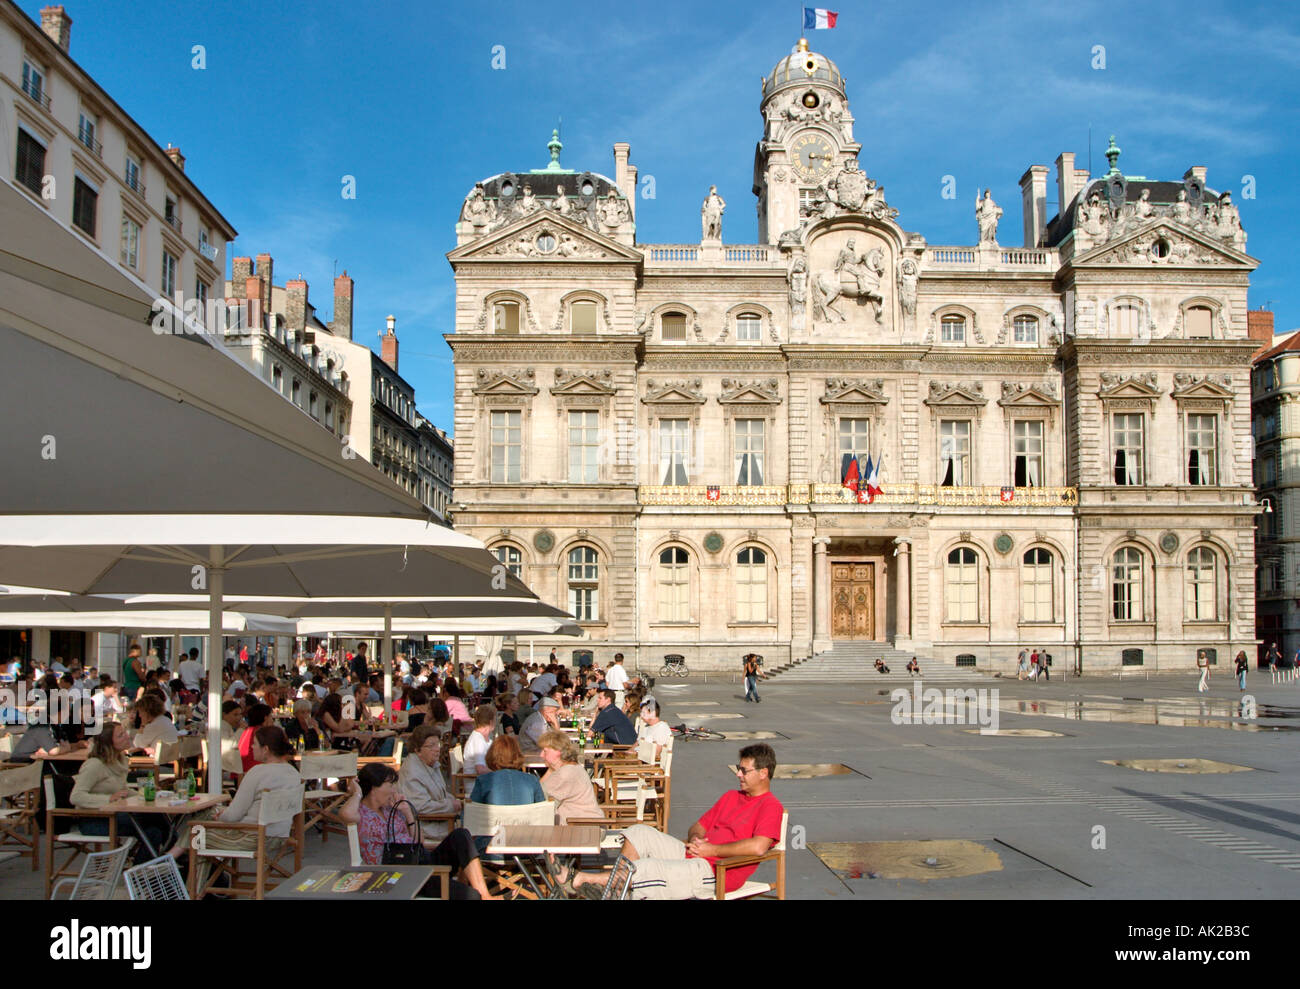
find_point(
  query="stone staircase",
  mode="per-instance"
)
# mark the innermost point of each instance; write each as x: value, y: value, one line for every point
x: 856, y: 661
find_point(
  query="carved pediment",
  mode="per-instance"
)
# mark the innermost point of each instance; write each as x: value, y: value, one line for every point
x: 1143, y: 386
x: 506, y: 382
x: 1163, y: 243
x: 544, y: 236
x: 1212, y: 386
x: 945, y: 394
x: 583, y: 382
x: 859, y: 391
x: 1034, y: 395
x: 750, y: 392
x: 686, y: 392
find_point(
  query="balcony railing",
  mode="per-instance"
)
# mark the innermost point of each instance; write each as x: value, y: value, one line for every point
x: 834, y: 494
x: 37, y: 95
x: 173, y: 220
x: 138, y: 188
x: 86, y: 136
x: 977, y: 258
x: 743, y: 254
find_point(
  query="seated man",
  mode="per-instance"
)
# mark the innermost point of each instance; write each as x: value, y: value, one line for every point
x: 881, y: 667
x: 612, y: 722
x: 913, y: 666
x: 745, y: 821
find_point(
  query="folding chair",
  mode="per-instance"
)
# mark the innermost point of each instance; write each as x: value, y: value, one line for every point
x: 487, y: 819
x: 751, y: 889
x: 354, y: 847
x: 73, y: 838
x: 619, y: 883
x: 19, y: 824
x: 278, y: 806
x: 322, y: 803
x: 99, y: 874
x: 157, y: 879
x: 458, y: 776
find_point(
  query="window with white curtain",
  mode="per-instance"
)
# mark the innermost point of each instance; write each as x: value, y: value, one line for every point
x: 583, y: 584
x: 749, y: 327
x: 1025, y: 329
x: 751, y: 585
x: 962, y: 585
x: 674, y: 445
x: 674, y: 585
x: 1126, y: 585
x: 749, y: 451
x: 1201, y: 585
x: 584, y: 444
x: 952, y: 329
x: 1128, y: 446
x: 1028, y: 438
x: 954, y: 452
x: 1036, y: 595
x: 1201, y: 452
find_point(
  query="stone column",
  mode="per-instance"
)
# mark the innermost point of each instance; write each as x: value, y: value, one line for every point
x: 821, y: 595
x: 903, y: 577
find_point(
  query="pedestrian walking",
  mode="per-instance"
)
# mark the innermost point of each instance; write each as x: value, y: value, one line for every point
x: 1022, y: 665
x: 1044, y: 672
x: 752, y: 673
x: 1242, y: 666
x: 1033, y: 665
x: 1272, y: 657
x: 1203, y: 664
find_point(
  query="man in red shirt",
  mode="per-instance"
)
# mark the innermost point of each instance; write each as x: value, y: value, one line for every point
x: 745, y: 821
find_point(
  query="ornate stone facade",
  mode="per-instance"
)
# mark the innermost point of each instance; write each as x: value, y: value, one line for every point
x: 1055, y: 433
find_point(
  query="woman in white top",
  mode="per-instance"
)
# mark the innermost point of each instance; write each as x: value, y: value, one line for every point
x: 102, y: 780
x: 476, y: 746
x: 155, y: 726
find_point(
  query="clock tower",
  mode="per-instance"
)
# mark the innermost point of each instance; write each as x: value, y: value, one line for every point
x: 807, y: 136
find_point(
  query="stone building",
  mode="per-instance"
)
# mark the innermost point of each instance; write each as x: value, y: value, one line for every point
x: 658, y: 436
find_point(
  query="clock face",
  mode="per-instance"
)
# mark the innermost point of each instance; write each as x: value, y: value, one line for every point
x: 813, y: 155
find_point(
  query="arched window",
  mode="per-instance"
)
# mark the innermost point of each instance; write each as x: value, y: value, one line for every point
x: 1198, y: 321
x: 1124, y: 320
x: 952, y: 329
x: 512, y: 558
x: 749, y: 327
x: 751, y: 585
x: 584, y: 583
x: 1036, y: 586
x: 505, y: 318
x: 1025, y: 329
x: 1126, y: 585
x: 582, y: 317
x: 672, y: 326
x: 962, y: 585
x: 1202, y: 585
x: 674, y: 585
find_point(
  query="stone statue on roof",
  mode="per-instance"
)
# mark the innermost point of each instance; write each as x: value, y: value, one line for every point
x: 987, y: 214
x: 711, y: 214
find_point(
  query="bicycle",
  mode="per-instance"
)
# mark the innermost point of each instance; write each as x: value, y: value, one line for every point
x: 674, y: 665
x: 701, y: 734
x: 646, y: 679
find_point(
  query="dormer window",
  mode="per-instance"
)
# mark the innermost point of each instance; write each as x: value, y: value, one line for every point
x: 673, y: 326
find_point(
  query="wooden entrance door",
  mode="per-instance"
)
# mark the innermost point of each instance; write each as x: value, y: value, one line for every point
x: 853, y: 600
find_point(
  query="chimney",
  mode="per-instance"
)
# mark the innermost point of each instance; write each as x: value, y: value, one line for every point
x: 1033, y: 193
x: 251, y: 289
x: 1065, y: 175
x: 241, y: 270
x: 1259, y: 327
x: 295, y: 305
x: 58, y: 25
x: 341, y: 325
x: 175, y: 155
x: 388, y: 345
x: 631, y: 183
x: 1197, y: 172
x: 621, y: 152
x: 265, y: 270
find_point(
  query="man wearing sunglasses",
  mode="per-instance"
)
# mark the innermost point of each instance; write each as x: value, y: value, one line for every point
x: 744, y: 821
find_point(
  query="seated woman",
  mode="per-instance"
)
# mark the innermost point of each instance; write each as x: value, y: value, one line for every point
x: 102, y: 780
x: 566, y: 781
x: 421, y: 780
x: 372, y: 799
x: 255, y: 717
x: 881, y: 667
x: 342, y: 732
x: 155, y: 725
x: 439, y: 716
x: 506, y: 782
x: 913, y: 666
x: 418, y: 711
x: 507, y: 705
x: 452, y: 697
x: 303, y: 727
x: 476, y: 746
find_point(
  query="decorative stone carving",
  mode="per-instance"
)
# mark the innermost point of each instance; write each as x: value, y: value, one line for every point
x: 956, y: 393
x: 561, y: 202
x: 1169, y: 542
x: 908, y: 272
x: 687, y: 391
x: 855, y: 390
x: 642, y: 322
x: 797, y: 276
x: 756, y: 392
x: 478, y: 210
x: 856, y: 276
x: 711, y: 215
x: 779, y: 175
x: 1012, y: 390
x: 713, y: 542
x: 1214, y: 386
x: 596, y: 382
x: 528, y: 203
x: 987, y: 214
x: 1003, y: 543
x: 613, y: 210
x: 1112, y: 382
x: 525, y: 246
x: 519, y: 381
x: 544, y: 540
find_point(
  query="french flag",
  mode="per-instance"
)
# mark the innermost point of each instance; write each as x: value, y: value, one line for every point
x: 815, y: 18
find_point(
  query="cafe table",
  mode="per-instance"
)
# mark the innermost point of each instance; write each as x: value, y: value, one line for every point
x: 176, y: 811
x: 371, y: 883
x: 81, y: 755
x: 530, y: 845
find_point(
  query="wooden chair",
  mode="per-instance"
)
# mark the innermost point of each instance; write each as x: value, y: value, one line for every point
x: 751, y: 889
x: 323, y: 803
x: 99, y: 874
x: 19, y: 823
x: 486, y: 819
x: 278, y: 806
x: 458, y: 775
x: 627, y: 781
x: 71, y: 839
x: 354, y: 847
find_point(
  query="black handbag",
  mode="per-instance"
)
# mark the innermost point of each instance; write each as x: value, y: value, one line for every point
x: 402, y: 852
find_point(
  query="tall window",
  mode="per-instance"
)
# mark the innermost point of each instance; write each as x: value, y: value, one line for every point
x: 86, y: 131
x: 583, y: 584
x: 1028, y: 438
x: 962, y: 585
x: 507, y: 446
x: 513, y: 560
x: 748, y: 328
x: 1201, y: 453
x: 1124, y: 321
x: 34, y: 81
x: 1025, y: 329
x: 172, y: 212
x: 749, y: 451
x: 505, y: 318
x: 954, y: 452
x: 168, y: 275
x: 1036, y: 586
x: 311, y: 404
x: 674, y: 439
x: 1197, y: 321
x: 130, y: 242
x: 31, y: 162
x: 751, y: 585
x: 674, y: 585
x: 1127, y: 432
x: 855, y: 444
x: 582, y: 317
x: 952, y: 329
x: 201, y: 297
x: 84, y: 201
x: 1126, y: 585
x: 329, y: 416
x: 295, y: 393
x: 673, y: 326
x: 132, y: 173
x: 1201, y: 585
x: 277, y: 378
x: 584, y: 444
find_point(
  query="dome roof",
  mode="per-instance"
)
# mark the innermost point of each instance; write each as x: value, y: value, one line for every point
x: 801, y: 67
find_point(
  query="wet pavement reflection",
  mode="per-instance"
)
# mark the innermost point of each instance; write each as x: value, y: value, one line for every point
x: 1232, y: 714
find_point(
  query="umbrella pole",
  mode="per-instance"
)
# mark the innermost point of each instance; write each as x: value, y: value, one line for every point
x: 455, y: 656
x: 216, y: 653
x: 388, y: 658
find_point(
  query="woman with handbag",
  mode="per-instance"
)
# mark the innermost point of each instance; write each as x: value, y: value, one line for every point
x: 385, y: 825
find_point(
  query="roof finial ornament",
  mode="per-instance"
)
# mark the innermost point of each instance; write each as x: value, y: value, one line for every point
x: 1112, y: 156
x: 554, y: 147
x: 803, y: 44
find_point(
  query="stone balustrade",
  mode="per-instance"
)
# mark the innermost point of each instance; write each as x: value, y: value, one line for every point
x: 986, y: 496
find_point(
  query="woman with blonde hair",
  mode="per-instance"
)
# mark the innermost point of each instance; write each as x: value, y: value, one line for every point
x: 566, y: 781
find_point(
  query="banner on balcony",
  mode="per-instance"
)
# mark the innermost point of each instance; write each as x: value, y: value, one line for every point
x: 714, y: 492
x: 1008, y: 493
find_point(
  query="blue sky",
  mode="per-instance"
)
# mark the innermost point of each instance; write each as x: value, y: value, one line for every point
x: 403, y: 96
